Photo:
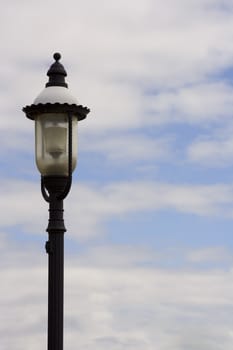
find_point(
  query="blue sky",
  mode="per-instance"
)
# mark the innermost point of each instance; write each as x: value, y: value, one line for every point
x: 148, y: 250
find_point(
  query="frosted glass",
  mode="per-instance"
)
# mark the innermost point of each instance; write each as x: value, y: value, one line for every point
x: 52, y: 144
x: 55, y: 140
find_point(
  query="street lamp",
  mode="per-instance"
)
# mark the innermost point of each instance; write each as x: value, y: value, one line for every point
x: 56, y: 114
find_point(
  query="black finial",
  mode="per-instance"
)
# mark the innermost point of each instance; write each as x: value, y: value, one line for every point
x: 57, y: 73
x: 57, y: 56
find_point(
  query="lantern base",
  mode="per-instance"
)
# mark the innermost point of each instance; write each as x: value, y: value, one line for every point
x: 55, y: 185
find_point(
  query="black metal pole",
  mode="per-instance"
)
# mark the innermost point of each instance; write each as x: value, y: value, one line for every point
x: 54, y: 190
x: 55, y: 250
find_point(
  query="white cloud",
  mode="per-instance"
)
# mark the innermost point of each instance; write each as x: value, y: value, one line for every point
x: 212, y: 151
x: 116, y: 256
x: 198, y: 104
x: 121, y: 148
x: 210, y: 255
x: 98, y: 205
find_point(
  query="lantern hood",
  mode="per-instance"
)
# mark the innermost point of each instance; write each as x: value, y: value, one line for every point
x: 56, y: 97
x: 56, y: 89
x: 55, y: 94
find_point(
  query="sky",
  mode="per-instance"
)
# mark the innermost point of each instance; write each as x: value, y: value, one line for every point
x: 148, y: 248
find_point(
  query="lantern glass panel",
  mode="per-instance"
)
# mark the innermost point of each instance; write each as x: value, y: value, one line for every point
x: 52, y: 140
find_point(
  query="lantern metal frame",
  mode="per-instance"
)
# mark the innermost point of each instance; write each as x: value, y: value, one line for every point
x: 78, y: 111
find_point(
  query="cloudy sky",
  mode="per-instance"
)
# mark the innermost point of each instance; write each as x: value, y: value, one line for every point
x: 149, y: 249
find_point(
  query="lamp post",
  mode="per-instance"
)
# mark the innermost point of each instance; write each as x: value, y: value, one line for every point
x: 56, y: 114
